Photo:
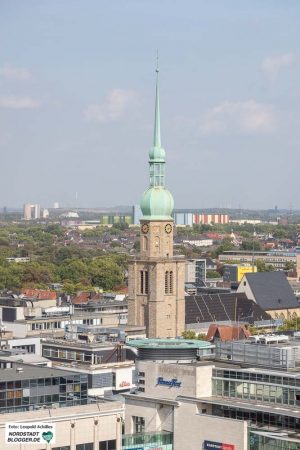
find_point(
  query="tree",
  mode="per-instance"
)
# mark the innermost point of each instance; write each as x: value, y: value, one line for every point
x: 212, y: 274
x: 263, y: 267
x: 105, y: 273
x: 250, y: 244
x: 35, y: 273
x: 75, y: 271
x: 289, y: 265
x: 189, y: 334
x: 226, y: 245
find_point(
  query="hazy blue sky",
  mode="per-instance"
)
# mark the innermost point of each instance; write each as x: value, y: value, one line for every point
x: 77, y: 100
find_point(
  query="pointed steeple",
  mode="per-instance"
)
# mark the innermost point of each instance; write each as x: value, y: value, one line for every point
x: 156, y: 140
x: 157, y: 202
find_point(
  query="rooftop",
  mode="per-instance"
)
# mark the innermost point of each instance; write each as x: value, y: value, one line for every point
x: 169, y: 343
x: 29, y: 372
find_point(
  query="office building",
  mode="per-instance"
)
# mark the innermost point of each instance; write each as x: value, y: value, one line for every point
x: 247, y: 398
x: 276, y: 258
x: 195, y: 271
x: 25, y: 387
x: 235, y: 272
x: 156, y: 277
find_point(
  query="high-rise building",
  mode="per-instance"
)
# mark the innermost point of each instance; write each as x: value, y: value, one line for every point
x: 32, y: 211
x: 156, y: 277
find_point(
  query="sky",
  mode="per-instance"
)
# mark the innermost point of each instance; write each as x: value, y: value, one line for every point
x: 77, y: 88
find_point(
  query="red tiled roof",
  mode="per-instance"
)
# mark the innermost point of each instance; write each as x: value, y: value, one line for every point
x: 227, y: 332
x: 41, y: 294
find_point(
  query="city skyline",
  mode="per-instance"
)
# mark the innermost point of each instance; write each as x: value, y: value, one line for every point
x: 76, y: 91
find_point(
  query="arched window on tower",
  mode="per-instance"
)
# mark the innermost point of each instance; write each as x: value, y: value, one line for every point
x: 144, y: 282
x: 171, y: 289
x: 167, y: 282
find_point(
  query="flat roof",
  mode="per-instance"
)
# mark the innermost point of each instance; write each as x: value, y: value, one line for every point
x: 272, y: 408
x: 30, y: 372
x: 169, y: 343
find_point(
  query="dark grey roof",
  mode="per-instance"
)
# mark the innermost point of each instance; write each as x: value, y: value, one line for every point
x: 222, y: 307
x: 272, y: 290
x: 30, y: 372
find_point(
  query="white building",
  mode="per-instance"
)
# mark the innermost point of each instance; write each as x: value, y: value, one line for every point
x: 171, y: 408
x: 32, y: 211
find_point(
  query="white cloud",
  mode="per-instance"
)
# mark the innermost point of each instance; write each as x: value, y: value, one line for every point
x: 21, y: 102
x: 272, y: 65
x: 11, y: 72
x: 240, y: 117
x: 115, y: 106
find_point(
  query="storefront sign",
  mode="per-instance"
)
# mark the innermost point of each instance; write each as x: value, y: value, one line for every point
x: 170, y: 383
x: 124, y: 384
x: 209, y: 445
x: 29, y: 433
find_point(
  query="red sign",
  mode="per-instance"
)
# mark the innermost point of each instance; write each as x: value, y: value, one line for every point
x: 124, y: 384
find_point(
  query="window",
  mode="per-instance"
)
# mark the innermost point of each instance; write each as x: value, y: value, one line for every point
x: 66, y: 447
x: 144, y: 282
x: 88, y: 446
x: 108, y: 445
x: 169, y: 282
x: 138, y: 424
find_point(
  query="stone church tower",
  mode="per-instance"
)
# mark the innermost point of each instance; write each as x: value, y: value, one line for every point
x: 156, y: 277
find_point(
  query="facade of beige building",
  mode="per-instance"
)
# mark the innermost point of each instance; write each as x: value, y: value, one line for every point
x: 90, y: 427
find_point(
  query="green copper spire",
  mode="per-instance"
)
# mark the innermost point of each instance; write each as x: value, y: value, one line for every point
x: 157, y: 202
x: 156, y: 140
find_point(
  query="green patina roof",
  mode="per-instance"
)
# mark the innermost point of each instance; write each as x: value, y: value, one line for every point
x: 157, y: 202
x: 168, y: 343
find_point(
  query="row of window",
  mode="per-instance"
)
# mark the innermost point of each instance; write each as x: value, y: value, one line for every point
x: 81, y: 356
x: 256, y: 376
x: 256, y: 391
x: 257, y: 418
x: 61, y: 324
x: 41, y: 382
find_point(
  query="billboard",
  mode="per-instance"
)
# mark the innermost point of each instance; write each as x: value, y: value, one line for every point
x: 210, y: 445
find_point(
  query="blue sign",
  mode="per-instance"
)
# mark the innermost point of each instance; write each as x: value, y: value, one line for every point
x: 170, y: 383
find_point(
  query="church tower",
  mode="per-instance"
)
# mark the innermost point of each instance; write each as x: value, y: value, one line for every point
x: 156, y: 277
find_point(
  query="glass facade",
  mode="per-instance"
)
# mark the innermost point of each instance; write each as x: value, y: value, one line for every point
x: 163, y: 440
x: 266, y: 387
x: 260, y: 442
x: 30, y: 394
x: 269, y: 420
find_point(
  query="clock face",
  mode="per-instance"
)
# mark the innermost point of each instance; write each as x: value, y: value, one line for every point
x: 168, y: 228
x: 145, y: 228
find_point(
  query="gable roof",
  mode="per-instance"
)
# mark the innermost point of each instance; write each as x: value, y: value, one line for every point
x: 222, y: 307
x: 271, y: 290
x: 227, y: 332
